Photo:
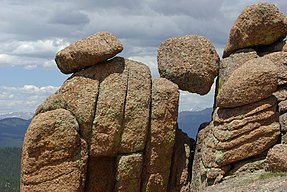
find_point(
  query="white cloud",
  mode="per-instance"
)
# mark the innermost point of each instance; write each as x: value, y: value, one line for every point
x: 25, y: 98
x: 194, y: 102
x: 31, y: 54
x: 39, y: 47
x: 149, y: 61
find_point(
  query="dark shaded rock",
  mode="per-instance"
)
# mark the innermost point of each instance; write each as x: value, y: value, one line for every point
x: 100, y: 173
x: 280, y: 46
x: 199, y: 178
x: 181, y: 169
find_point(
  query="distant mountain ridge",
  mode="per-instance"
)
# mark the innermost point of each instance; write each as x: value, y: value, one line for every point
x: 12, y: 131
x: 21, y: 115
x: 189, y: 121
x: 13, y: 126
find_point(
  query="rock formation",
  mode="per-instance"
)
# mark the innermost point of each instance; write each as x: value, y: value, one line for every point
x: 249, y: 114
x: 111, y: 127
x: 87, y: 52
x: 257, y: 25
x: 189, y: 61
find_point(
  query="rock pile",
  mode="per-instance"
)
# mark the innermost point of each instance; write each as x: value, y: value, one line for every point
x: 109, y: 127
x: 250, y: 97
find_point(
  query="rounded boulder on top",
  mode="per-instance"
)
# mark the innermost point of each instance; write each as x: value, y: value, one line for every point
x: 189, y: 61
x: 88, y: 52
x: 257, y: 25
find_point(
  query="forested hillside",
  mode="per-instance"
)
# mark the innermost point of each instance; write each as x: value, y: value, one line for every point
x: 12, y: 131
x: 10, y: 161
x: 189, y: 121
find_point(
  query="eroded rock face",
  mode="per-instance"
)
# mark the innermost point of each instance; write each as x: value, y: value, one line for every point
x: 87, y: 52
x: 230, y: 64
x: 54, y: 155
x: 253, y: 81
x: 257, y: 25
x: 189, y: 61
x: 236, y: 138
x: 161, y: 141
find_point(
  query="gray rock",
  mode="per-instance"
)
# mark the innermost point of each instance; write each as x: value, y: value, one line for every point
x: 281, y: 93
x: 279, y: 59
x: 282, y: 107
x: 283, y: 122
x: 129, y: 172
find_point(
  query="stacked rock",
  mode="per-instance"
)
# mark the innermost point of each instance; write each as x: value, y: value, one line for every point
x: 109, y: 127
x: 192, y: 63
x: 251, y: 86
x: 189, y: 61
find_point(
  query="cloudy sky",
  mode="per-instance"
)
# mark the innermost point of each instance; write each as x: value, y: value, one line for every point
x: 32, y: 31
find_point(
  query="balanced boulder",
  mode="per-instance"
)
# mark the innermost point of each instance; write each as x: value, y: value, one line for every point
x: 257, y: 25
x: 87, y: 52
x: 189, y: 61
